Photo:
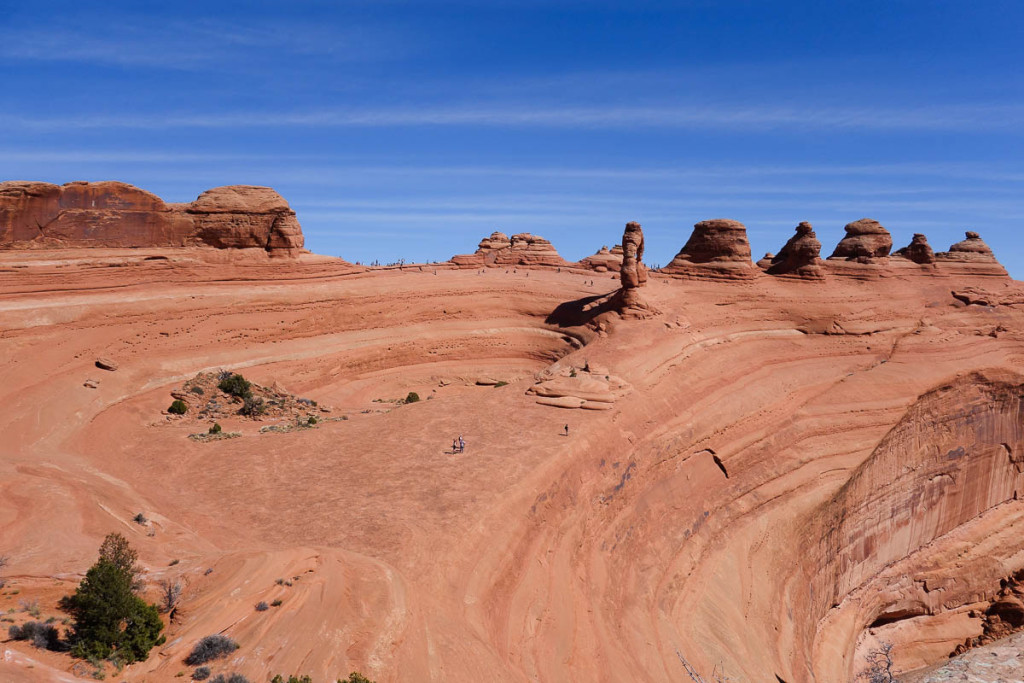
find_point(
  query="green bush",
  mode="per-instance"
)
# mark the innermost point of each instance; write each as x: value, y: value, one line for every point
x: 236, y: 385
x: 215, y: 429
x: 109, y: 619
x: 253, y: 406
x: 179, y: 407
x: 413, y: 397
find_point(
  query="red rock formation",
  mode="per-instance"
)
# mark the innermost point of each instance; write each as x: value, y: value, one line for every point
x: 240, y: 216
x: 717, y: 248
x: 801, y: 255
x: 971, y: 256
x: 918, y: 251
x: 118, y: 215
x: 865, y: 241
x: 523, y: 249
x: 604, y: 260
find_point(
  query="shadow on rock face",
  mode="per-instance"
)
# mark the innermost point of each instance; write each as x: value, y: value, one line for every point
x: 585, y: 311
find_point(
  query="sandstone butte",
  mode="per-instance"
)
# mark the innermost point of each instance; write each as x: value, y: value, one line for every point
x: 780, y: 473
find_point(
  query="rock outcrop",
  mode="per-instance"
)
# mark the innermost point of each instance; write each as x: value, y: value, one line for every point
x: 866, y: 240
x: 522, y: 249
x: 801, y: 255
x: 241, y: 216
x: 971, y: 256
x: 717, y: 248
x: 604, y: 260
x: 918, y: 251
x: 117, y: 215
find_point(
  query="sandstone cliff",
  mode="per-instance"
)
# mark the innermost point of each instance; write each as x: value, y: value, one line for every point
x: 118, y: 215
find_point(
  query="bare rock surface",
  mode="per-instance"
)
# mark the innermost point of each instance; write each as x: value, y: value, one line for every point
x: 717, y: 249
x: 761, y: 479
x: 117, y: 215
x: 800, y: 256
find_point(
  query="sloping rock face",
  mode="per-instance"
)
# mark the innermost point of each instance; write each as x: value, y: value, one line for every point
x: 801, y: 255
x: 957, y: 453
x: 604, y: 260
x: 241, y: 216
x: 522, y: 249
x: 972, y: 257
x: 918, y: 251
x: 118, y: 215
x: 717, y: 248
x: 865, y: 241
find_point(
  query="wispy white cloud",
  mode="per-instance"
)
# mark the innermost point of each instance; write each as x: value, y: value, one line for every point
x: 980, y: 117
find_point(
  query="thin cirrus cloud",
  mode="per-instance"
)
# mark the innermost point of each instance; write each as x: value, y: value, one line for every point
x: 196, y: 45
x: 939, y: 117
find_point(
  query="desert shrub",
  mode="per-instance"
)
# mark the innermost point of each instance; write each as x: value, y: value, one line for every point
x: 276, y: 603
x: 179, y: 407
x: 312, y: 420
x: 215, y: 429
x: 253, y: 406
x: 43, y: 636
x: 196, y: 389
x: 236, y: 385
x: 502, y: 383
x: 108, y: 616
x: 291, y: 679
x: 262, y: 606
x: 413, y: 397
x: 140, y: 519
x: 201, y: 674
x: 233, y: 678
x: 210, y: 648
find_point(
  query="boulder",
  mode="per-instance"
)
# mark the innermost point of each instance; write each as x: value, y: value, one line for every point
x: 717, y: 248
x: 766, y: 261
x: 865, y: 241
x: 801, y: 255
x: 106, y: 364
x: 918, y: 251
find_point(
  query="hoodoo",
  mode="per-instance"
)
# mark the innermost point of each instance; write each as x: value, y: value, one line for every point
x: 865, y: 241
x: 522, y: 249
x: 918, y: 251
x: 117, y: 215
x: 717, y: 248
x: 801, y: 255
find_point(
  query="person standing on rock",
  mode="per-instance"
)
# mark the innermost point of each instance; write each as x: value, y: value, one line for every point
x: 455, y: 446
x: 462, y: 444
x: 567, y: 430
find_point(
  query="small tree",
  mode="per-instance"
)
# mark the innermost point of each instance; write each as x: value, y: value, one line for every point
x: 880, y: 665
x: 109, y: 618
x: 413, y: 397
x: 178, y: 407
x: 170, y: 594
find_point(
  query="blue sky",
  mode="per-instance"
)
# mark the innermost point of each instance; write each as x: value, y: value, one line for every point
x: 411, y: 129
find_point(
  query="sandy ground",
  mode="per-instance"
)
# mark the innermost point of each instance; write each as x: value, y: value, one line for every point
x: 673, y: 525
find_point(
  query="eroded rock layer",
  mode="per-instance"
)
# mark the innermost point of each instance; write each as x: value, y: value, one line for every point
x: 717, y: 248
x: 604, y: 260
x: 918, y: 251
x: 118, y: 215
x: 522, y: 249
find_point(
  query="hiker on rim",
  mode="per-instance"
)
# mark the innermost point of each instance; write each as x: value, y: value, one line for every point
x: 462, y: 444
